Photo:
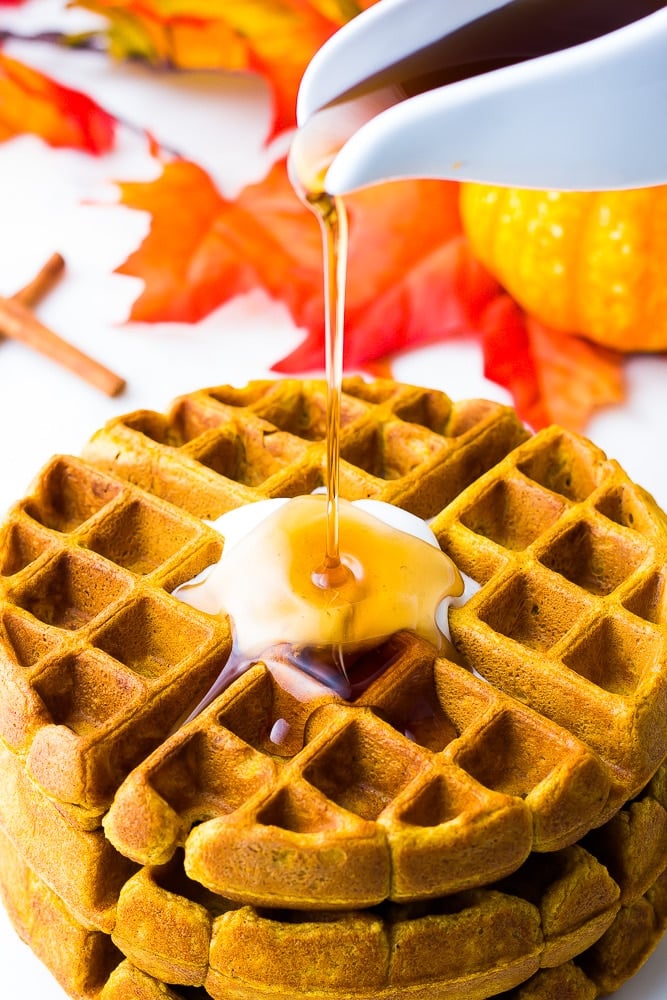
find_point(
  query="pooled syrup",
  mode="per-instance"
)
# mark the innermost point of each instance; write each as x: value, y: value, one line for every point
x: 308, y: 634
x: 269, y: 582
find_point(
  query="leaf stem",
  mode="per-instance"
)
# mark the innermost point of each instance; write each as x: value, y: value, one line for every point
x: 90, y: 41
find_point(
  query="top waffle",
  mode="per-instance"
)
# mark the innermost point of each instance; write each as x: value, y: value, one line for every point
x: 434, y: 780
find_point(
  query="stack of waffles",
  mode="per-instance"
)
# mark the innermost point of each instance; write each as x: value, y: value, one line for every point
x: 489, y: 825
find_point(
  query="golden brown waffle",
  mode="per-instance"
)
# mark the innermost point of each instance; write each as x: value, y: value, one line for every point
x: 80, y: 958
x: 558, y: 924
x: 433, y: 783
x: 570, y: 617
x: 87, y: 562
x: 362, y: 811
x: 219, y: 448
x: 393, y: 831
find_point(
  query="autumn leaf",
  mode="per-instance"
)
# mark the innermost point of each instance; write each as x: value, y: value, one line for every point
x: 203, y: 249
x: 508, y: 359
x: 412, y: 280
x: 273, y: 38
x: 411, y: 277
x: 553, y: 377
x: 577, y: 378
x: 31, y: 102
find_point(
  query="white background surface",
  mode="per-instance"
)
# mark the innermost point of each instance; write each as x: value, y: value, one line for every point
x: 63, y: 201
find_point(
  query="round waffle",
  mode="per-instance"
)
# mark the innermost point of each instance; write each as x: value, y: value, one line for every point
x: 410, y: 812
x: 563, y: 926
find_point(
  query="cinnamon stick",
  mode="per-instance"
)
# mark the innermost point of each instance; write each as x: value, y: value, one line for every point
x: 19, y: 322
x: 32, y: 293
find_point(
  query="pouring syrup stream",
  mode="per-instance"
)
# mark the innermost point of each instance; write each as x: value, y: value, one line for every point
x: 322, y: 617
x: 333, y: 222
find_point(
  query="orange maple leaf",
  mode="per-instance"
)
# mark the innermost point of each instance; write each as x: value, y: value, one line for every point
x: 411, y: 278
x: 274, y: 38
x: 203, y: 249
x: 31, y: 102
x: 577, y: 378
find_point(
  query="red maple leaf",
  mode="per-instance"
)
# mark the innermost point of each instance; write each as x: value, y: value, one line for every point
x: 411, y: 278
x: 31, y: 102
x: 553, y: 377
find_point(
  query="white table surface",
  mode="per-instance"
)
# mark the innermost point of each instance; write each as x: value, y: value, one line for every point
x: 57, y: 200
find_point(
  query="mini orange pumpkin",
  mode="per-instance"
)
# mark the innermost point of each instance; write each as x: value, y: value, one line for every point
x: 589, y: 263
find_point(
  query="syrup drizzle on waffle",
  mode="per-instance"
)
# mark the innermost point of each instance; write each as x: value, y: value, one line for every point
x: 323, y: 630
x: 325, y: 606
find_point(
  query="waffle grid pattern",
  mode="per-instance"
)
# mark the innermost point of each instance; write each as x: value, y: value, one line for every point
x: 95, y: 650
x: 572, y: 605
x: 562, y: 919
x: 461, y: 801
x: 219, y: 448
x: 364, y: 830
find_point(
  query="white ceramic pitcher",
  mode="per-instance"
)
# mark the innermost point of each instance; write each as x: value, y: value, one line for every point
x: 588, y: 116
